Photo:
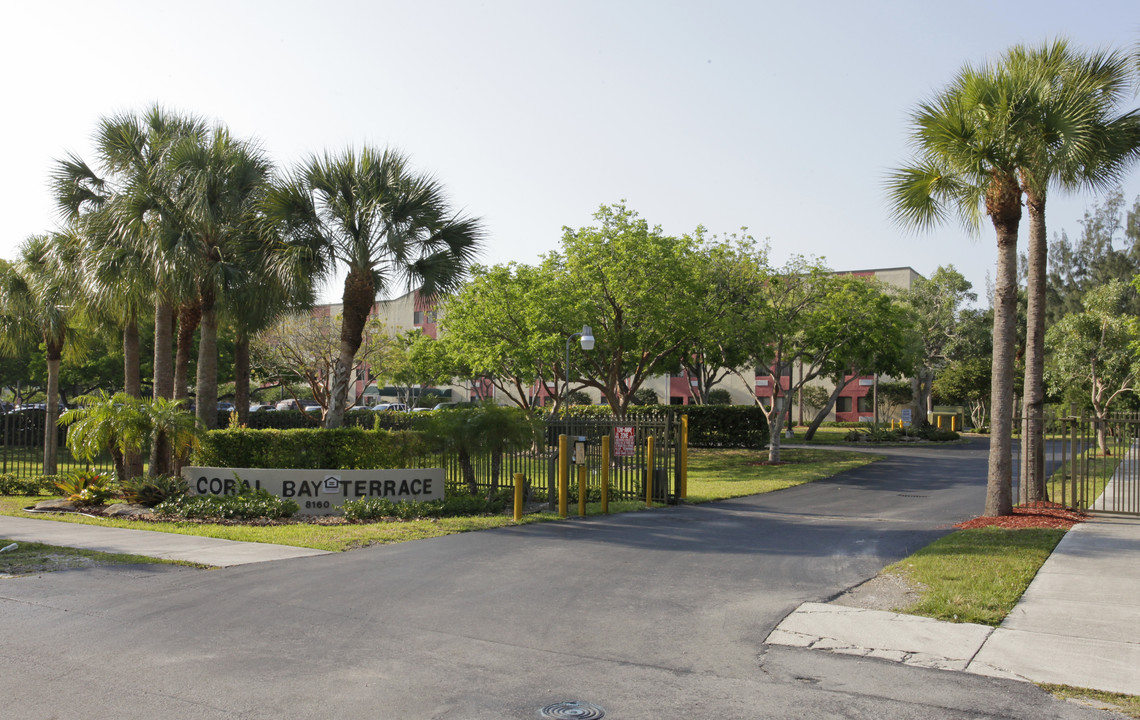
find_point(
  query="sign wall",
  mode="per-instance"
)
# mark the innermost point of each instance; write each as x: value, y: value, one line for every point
x: 320, y: 492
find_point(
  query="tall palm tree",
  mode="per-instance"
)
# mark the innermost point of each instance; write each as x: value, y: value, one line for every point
x: 40, y: 301
x: 134, y: 153
x: 124, y: 208
x: 967, y: 157
x: 1075, y: 139
x: 217, y: 186
x: 388, y: 225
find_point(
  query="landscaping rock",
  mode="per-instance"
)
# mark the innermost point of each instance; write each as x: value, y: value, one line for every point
x: 58, y: 505
x: 127, y: 510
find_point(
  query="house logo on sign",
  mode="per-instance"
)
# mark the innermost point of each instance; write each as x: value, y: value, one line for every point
x: 331, y: 484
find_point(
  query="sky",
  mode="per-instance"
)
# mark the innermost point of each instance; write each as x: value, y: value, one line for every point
x: 783, y: 118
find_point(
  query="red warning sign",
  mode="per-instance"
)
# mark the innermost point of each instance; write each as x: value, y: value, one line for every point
x: 624, y: 443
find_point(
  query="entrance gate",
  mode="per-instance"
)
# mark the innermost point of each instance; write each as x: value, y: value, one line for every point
x: 1099, y: 468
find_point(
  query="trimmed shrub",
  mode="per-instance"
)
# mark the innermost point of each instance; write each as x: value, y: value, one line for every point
x: 344, y: 448
x: 43, y: 485
x: 248, y: 505
x: 366, y: 509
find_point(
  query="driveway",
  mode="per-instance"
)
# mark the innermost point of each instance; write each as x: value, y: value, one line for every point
x: 648, y: 615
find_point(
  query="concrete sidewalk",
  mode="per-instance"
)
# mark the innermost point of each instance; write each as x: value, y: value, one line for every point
x: 1077, y: 624
x: 168, y: 546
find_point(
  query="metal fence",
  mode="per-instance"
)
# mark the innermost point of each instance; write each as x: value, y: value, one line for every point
x: 1090, y: 465
x: 539, y: 464
x: 22, y: 447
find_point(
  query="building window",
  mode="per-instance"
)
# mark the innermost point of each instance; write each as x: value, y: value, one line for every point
x: 865, y: 404
x: 842, y: 404
x: 419, y: 317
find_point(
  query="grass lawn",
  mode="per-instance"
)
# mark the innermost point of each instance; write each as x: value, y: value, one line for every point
x: 713, y: 475
x: 1126, y: 704
x: 1099, y: 471
x: 31, y: 558
x: 976, y: 575
x: 720, y: 474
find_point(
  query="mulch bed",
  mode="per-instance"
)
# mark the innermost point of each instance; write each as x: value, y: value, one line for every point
x: 1038, y: 515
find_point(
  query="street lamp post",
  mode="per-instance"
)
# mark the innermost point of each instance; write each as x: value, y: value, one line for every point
x: 587, y: 343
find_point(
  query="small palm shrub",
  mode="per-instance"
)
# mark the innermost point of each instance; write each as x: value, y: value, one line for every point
x: 151, y: 491
x: 86, y: 488
x: 248, y: 505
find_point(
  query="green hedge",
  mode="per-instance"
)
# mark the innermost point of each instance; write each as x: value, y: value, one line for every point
x: 710, y: 426
x: 343, y: 448
x: 357, y: 417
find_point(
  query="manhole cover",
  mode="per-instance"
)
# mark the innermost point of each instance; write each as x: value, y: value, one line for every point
x: 573, y: 709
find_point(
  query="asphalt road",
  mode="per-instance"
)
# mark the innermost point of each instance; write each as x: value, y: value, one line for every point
x: 650, y: 615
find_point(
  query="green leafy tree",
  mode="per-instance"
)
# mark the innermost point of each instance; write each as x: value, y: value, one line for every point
x: 1096, y: 353
x: 839, y: 327
x: 503, y: 325
x: 725, y: 275
x: 388, y: 225
x: 634, y: 286
x: 937, y: 304
x: 1108, y: 248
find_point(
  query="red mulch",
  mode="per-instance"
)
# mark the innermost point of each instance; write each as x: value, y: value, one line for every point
x: 1039, y: 515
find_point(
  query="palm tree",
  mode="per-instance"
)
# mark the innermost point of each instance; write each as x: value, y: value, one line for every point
x: 968, y: 154
x: 1076, y: 140
x: 216, y: 187
x: 390, y: 226
x: 40, y: 301
x: 124, y: 209
x: 117, y: 424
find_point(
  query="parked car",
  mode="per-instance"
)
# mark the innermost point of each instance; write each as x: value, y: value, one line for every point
x: 226, y: 407
x: 445, y: 405
x: 396, y: 407
x: 287, y: 405
x: 259, y: 407
x: 313, y: 409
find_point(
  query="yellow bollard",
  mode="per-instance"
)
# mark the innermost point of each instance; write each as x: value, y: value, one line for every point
x: 581, y: 491
x: 605, y: 475
x: 684, y: 457
x: 563, y: 474
x: 953, y: 423
x: 938, y: 421
x: 519, y: 478
x: 649, y: 472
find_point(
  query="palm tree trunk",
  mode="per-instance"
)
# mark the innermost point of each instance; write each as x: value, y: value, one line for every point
x: 189, y: 314
x: 163, y: 380
x: 132, y: 385
x: 1003, y: 204
x: 356, y: 303
x: 1033, y: 439
x: 241, y: 376
x: 163, y: 341
x: 207, y: 380
x: 51, y: 415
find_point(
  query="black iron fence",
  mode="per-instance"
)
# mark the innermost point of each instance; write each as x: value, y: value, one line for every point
x: 539, y: 463
x: 22, y: 447
x: 1088, y: 464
